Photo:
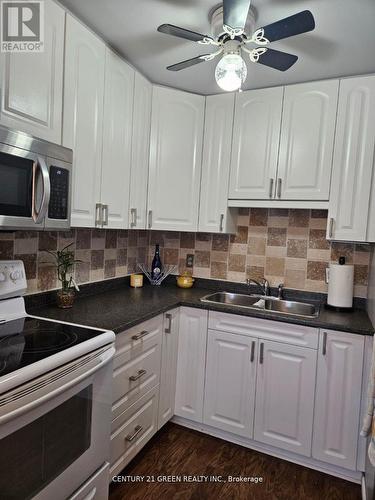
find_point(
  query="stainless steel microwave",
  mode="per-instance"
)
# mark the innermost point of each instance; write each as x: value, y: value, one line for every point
x: 35, y: 182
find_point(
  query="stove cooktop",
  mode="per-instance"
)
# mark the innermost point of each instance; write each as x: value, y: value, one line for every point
x: 27, y: 340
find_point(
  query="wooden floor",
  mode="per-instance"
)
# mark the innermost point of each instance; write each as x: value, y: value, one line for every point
x: 177, y: 451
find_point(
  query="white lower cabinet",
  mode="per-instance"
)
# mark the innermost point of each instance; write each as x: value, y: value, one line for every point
x: 191, y: 363
x: 284, y: 405
x: 230, y: 382
x: 338, y: 398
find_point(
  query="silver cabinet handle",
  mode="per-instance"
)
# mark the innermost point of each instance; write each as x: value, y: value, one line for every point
x: 331, y: 223
x: 261, y: 354
x: 150, y: 219
x: 271, y: 188
x: 133, y: 212
x: 168, y: 329
x: 98, y: 215
x: 140, y: 374
x: 39, y: 214
x: 324, y: 349
x: 105, y: 215
x: 140, y: 335
x: 279, y: 184
x: 221, y: 227
x: 252, y: 351
x: 137, y: 430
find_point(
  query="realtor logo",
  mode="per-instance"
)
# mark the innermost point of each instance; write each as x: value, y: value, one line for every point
x: 22, y: 26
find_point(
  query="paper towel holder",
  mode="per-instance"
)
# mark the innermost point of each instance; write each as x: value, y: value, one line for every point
x: 337, y: 307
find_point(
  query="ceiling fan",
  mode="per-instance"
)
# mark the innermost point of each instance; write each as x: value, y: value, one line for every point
x: 232, y: 41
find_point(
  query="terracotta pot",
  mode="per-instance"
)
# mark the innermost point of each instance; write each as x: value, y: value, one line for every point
x: 65, y: 299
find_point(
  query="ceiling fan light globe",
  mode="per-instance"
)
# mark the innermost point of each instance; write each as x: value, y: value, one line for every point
x: 231, y: 72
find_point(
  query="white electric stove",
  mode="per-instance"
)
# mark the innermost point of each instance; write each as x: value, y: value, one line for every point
x: 55, y: 401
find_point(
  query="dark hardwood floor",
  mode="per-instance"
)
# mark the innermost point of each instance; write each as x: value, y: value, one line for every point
x: 177, y: 451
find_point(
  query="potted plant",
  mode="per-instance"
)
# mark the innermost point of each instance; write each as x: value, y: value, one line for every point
x: 65, y: 262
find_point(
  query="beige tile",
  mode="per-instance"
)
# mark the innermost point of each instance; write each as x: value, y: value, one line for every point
x: 236, y: 276
x: 25, y: 246
x: 275, y: 266
x: 121, y: 271
x: 219, y: 256
x: 295, y: 279
x: 276, y: 251
x: 96, y: 274
x: 257, y: 246
x: 315, y: 254
x: 318, y: 224
x: 238, y: 248
x: 110, y: 253
x: 256, y: 260
x: 296, y: 264
x: 241, y: 235
x: 243, y: 220
x: 360, y: 291
x: 316, y: 286
x: 361, y: 258
x: 255, y: 272
x: 298, y: 232
x: 201, y: 272
x: 237, y: 263
x: 275, y: 281
x: 257, y: 231
x: 219, y: 270
x: 280, y: 222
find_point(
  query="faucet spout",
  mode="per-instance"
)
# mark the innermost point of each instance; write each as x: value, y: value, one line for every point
x: 264, y: 285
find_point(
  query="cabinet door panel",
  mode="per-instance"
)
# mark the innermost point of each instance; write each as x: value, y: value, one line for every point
x: 353, y: 160
x: 32, y: 84
x: 338, y: 399
x: 191, y: 363
x: 83, y: 117
x: 230, y: 382
x: 255, y: 147
x: 307, y: 138
x: 117, y: 139
x: 175, y: 159
x: 285, y: 396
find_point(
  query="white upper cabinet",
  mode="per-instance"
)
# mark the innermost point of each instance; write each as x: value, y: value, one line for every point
x: 255, y: 147
x: 353, y: 161
x: 230, y: 382
x: 307, y: 138
x: 175, y: 160
x: 32, y: 83
x: 140, y: 152
x: 214, y: 215
x: 285, y: 396
x: 338, y: 398
x: 83, y: 117
x: 117, y: 141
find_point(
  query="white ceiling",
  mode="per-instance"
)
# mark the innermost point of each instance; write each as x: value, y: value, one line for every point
x: 342, y: 44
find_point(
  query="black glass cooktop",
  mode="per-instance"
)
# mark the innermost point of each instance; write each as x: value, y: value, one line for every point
x: 27, y: 340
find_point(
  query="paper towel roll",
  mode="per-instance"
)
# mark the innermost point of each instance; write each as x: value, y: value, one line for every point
x: 340, y: 285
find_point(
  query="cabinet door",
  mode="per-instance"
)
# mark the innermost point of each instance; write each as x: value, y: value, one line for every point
x: 256, y: 135
x: 140, y: 152
x: 230, y: 382
x: 32, y: 84
x: 353, y: 160
x: 285, y: 396
x: 175, y: 160
x: 83, y: 117
x: 168, y: 367
x: 213, y: 210
x: 307, y: 138
x: 338, y: 398
x: 117, y: 141
x: 191, y: 363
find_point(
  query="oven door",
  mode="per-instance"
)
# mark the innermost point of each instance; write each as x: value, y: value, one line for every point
x: 55, y: 430
x: 24, y: 189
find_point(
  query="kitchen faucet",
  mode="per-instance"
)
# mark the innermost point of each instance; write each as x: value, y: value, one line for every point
x: 264, y: 285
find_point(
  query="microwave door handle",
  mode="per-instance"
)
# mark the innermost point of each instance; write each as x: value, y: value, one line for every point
x: 38, y: 215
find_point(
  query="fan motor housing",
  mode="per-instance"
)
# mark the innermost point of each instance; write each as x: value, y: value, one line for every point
x: 216, y: 19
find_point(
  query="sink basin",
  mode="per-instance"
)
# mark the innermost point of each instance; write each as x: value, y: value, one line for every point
x: 264, y: 303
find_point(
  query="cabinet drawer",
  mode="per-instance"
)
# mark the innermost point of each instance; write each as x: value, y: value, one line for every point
x: 136, y: 376
x: 132, y: 429
x: 287, y: 333
x: 95, y: 488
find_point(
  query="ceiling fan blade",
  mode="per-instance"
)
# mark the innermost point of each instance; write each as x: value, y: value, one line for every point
x: 290, y: 26
x: 186, y: 64
x: 235, y: 13
x: 170, y: 29
x: 277, y: 60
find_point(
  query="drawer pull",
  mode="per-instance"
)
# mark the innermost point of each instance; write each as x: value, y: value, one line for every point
x: 131, y: 437
x: 140, y: 374
x: 261, y: 354
x: 168, y: 329
x: 252, y: 351
x: 324, y: 349
x: 271, y: 188
x: 140, y: 335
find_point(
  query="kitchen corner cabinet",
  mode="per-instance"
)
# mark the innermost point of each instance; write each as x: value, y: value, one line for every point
x: 175, y: 160
x: 338, y: 398
x: 83, y: 117
x: 32, y: 83
x: 168, y: 366
x: 214, y: 215
x: 140, y: 152
x: 191, y: 364
x: 255, y: 147
x: 230, y: 382
x: 353, y: 162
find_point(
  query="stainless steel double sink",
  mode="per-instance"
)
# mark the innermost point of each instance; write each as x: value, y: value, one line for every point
x: 264, y: 303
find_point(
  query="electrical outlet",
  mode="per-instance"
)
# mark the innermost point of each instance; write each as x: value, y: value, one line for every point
x: 189, y: 260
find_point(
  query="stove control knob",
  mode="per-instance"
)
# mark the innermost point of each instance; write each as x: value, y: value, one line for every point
x: 2, y: 277
x: 15, y: 275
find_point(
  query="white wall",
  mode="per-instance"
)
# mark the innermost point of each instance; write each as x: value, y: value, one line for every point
x: 371, y: 288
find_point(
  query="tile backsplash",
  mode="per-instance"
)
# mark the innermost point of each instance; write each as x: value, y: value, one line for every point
x: 285, y: 246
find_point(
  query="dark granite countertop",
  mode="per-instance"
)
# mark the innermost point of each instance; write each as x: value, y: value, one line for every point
x: 123, y: 307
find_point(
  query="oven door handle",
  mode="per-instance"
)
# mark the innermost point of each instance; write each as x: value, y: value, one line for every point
x: 39, y: 214
x: 74, y: 372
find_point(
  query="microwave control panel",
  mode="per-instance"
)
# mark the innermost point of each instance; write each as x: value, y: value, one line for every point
x: 58, y: 204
